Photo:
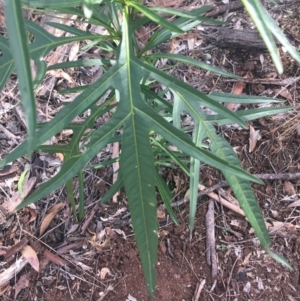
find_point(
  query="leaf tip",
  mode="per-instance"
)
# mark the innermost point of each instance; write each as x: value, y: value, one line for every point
x: 279, y: 258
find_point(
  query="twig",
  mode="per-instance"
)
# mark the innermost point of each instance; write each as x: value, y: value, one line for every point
x: 211, y: 257
x: 278, y: 176
x: 8, y: 134
x: 169, y: 248
x: 288, y: 84
x: 89, y: 219
x: 198, y: 290
x: 70, y: 292
x: 15, y: 249
x: 116, y: 166
x: 54, y: 258
x: 230, y: 276
x: 201, y: 193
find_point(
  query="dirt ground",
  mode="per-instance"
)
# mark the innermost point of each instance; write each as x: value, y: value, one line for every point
x: 97, y: 259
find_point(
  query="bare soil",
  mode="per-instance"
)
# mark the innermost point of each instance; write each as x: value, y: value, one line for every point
x: 98, y: 260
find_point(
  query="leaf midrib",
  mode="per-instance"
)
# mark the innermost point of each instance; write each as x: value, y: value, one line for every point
x: 129, y: 68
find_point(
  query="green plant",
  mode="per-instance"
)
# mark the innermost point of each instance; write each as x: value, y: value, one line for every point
x: 223, y: 247
x: 137, y: 114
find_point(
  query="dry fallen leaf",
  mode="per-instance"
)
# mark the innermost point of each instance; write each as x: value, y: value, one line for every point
x: 254, y: 137
x: 31, y: 257
x: 163, y: 233
x: 161, y: 213
x: 84, y: 266
x: 5, y: 289
x: 142, y: 35
x: 298, y: 129
x: 60, y: 156
x: 23, y: 282
x: 294, y: 204
x: 120, y: 232
x: 49, y: 217
x: 238, y: 89
x: 131, y: 298
x: 73, y: 52
x: 33, y: 215
x: 191, y: 37
x: 163, y: 248
x: 104, y: 272
x: 285, y: 93
x: 11, y: 203
x: 288, y: 188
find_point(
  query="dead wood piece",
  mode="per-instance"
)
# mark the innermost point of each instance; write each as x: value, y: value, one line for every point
x: 13, y: 270
x: 220, y: 9
x: 211, y: 257
x: 65, y: 249
x: 116, y: 166
x: 198, y: 290
x: 169, y: 248
x: 233, y: 38
x: 8, y: 134
x: 228, y: 197
x: 15, y: 249
x: 8, y: 170
x: 54, y: 258
x: 279, y: 176
x: 19, y: 113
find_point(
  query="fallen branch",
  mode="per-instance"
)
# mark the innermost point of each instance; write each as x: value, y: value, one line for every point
x: 198, y: 290
x: 278, y: 176
x: 89, y: 219
x: 274, y: 176
x: 211, y: 257
x: 116, y: 166
x: 13, y: 270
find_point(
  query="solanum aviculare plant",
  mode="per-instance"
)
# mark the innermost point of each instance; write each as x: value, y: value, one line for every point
x: 134, y: 114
